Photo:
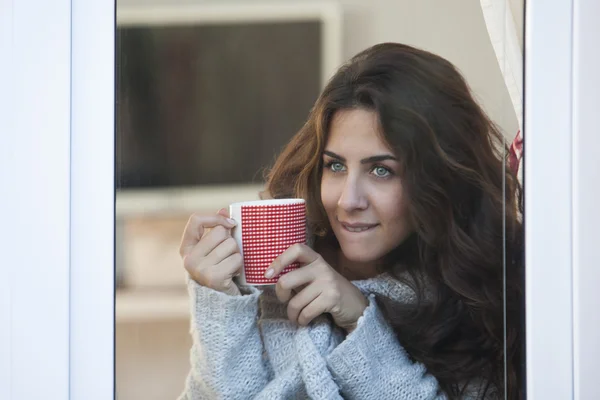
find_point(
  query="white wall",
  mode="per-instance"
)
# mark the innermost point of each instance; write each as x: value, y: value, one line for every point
x: 453, y: 29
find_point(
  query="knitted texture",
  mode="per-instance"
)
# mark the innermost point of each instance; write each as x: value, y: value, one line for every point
x: 245, y: 348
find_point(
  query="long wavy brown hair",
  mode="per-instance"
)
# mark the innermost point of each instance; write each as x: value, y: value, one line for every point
x: 465, y: 259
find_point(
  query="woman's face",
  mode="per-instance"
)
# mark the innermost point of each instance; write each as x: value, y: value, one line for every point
x: 361, y: 189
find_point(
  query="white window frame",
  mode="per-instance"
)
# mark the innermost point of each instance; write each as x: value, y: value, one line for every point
x: 35, y: 82
x: 562, y: 172
x: 548, y: 202
x: 585, y: 199
x: 57, y: 202
x: 92, y: 200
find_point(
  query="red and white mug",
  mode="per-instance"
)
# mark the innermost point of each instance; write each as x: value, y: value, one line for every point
x: 264, y: 230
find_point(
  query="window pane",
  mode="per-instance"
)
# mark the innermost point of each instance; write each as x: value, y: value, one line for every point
x: 403, y: 156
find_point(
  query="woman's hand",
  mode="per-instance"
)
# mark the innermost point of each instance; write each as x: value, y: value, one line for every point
x: 210, y: 255
x: 320, y: 289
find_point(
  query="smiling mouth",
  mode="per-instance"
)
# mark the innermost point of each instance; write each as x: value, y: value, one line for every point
x: 357, y: 228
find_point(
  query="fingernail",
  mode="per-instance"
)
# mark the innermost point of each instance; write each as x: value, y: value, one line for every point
x: 231, y: 221
x: 269, y: 274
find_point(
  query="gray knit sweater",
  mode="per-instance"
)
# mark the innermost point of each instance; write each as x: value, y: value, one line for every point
x: 244, y: 347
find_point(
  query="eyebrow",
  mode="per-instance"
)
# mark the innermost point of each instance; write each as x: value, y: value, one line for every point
x: 367, y: 160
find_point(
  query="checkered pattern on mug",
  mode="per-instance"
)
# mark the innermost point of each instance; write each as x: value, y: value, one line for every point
x: 267, y: 231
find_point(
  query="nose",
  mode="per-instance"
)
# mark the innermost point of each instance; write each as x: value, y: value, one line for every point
x: 353, y: 196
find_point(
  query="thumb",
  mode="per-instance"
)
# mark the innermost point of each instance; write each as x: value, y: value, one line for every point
x: 223, y: 212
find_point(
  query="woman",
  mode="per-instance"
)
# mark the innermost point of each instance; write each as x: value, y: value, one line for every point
x: 401, y: 296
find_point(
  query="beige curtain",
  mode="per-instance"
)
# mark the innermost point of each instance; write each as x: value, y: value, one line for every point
x: 504, y: 21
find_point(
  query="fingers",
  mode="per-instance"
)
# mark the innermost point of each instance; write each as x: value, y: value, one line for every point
x: 299, y: 253
x: 195, y: 229
x: 293, y: 280
x: 204, y: 257
x: 210, y: 242
x: 299, y: 302
x: 220, y: 276
x: 318, y: 306
x: 223, y: 250
x: 231, y: 265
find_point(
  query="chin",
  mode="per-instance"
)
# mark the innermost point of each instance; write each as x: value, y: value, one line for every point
x: 360, y: 255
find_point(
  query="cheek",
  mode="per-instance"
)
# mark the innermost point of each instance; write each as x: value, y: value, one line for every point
x: 394, y: 208
x: 329, y: 195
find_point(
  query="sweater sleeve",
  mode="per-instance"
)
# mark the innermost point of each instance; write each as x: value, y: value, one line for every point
x: 227, y: 356
x: 371, y: 364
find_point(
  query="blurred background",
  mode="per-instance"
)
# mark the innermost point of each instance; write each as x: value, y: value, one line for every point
x: 207, y: 93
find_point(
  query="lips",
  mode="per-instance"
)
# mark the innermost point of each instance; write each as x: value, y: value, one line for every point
x: 357, y: 227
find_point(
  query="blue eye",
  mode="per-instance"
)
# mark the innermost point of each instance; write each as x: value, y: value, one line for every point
x: 335, y: 166
x: 381, y: 172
